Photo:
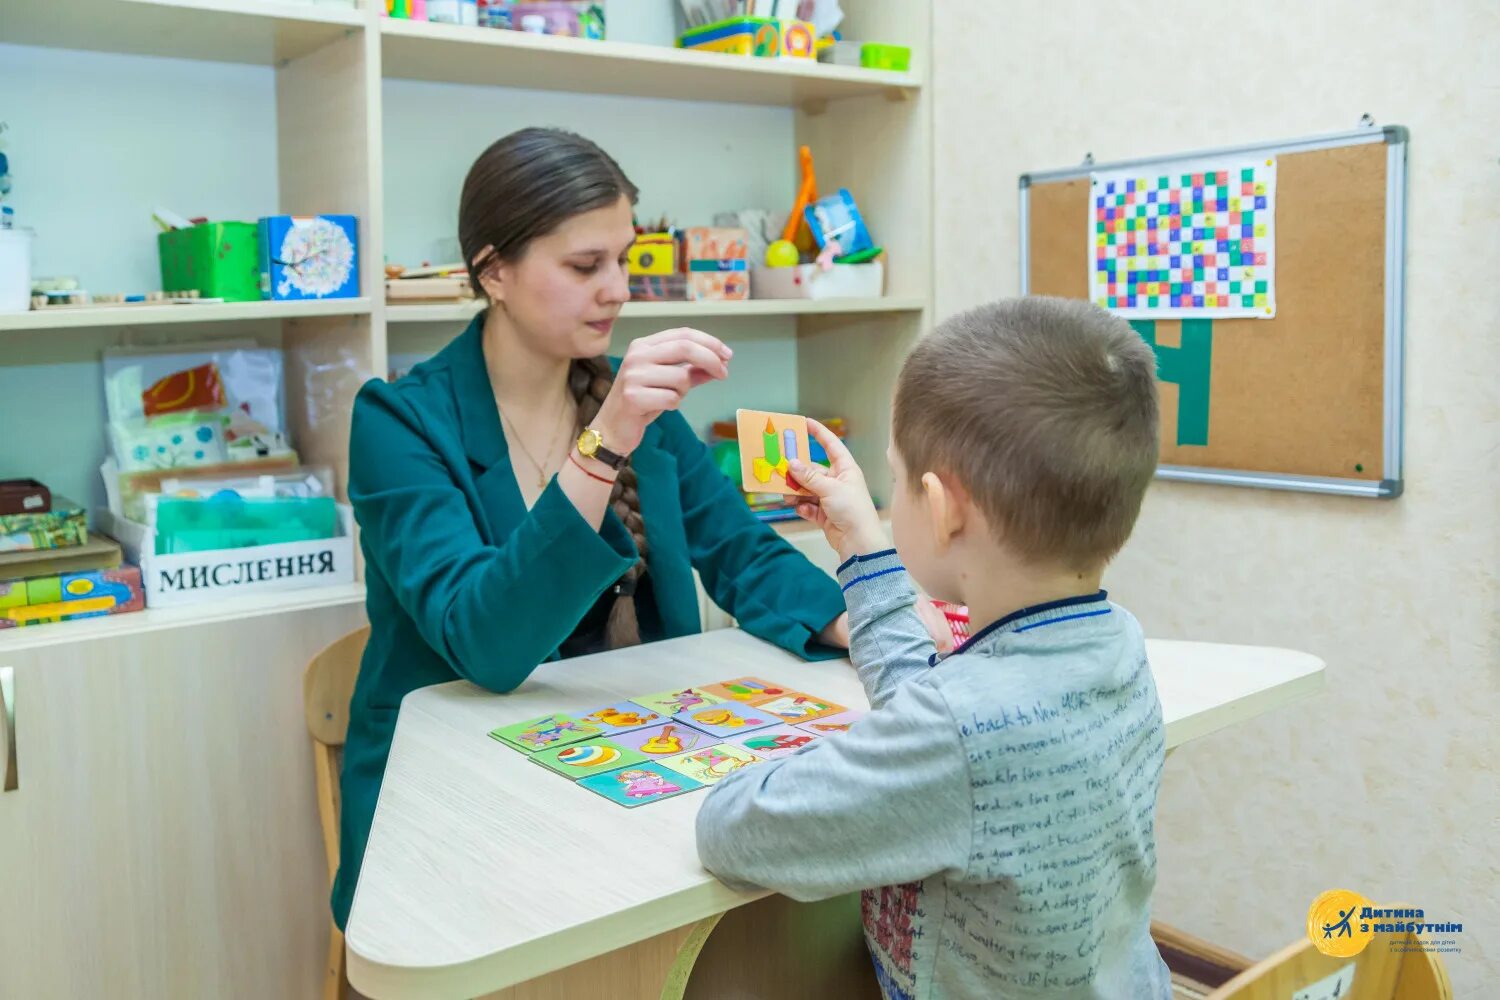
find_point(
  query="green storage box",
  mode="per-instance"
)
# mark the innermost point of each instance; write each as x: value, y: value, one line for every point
x: 219, y: 259
x: 191, y: 525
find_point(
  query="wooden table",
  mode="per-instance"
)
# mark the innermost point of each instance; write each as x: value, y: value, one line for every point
x: 486, y: 873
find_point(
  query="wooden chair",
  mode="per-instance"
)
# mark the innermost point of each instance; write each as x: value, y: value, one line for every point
x: 1383, y: 971
x: 327, y: 686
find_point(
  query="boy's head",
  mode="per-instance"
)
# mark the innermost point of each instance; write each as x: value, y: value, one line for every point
x: 1029, y: 424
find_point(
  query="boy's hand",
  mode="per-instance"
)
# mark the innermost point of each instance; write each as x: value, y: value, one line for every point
x: 840, y: 503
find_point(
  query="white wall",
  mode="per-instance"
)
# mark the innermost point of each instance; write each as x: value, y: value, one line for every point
x: 690, y: 161
x: 1386, y: 784
x: 96, y: 142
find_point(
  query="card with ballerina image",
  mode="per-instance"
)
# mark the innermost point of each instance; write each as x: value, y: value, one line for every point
x: 711, y: 764
x: 673, y: 737
x: 774, y: 741
x: 748, y: 690
x: 672, y: 702
x: 621, y: 717
x: 640, y: 784
x: 549, y: 731
x: 768, y: 442
x: 726, y: 719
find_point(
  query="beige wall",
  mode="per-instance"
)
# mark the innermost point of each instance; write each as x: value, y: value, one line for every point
x: 1388, y: 783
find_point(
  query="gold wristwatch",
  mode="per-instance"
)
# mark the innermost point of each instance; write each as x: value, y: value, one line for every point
x: 591, y: 445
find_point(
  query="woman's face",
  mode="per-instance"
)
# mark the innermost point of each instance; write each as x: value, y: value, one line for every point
x: 565, y: 291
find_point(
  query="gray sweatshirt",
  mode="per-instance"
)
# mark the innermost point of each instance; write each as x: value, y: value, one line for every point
x: 996, y: 807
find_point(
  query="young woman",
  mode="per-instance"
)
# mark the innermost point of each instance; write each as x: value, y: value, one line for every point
x: 520, y: 500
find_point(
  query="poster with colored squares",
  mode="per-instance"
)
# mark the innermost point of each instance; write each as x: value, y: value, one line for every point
x: 653, y: 747
x: 1196, y: 239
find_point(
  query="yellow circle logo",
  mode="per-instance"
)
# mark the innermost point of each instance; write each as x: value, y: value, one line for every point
x: 1333, y: 923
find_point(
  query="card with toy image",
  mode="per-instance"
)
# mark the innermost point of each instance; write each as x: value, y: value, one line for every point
x: 830, y: 725
x: 579, y: 760
x: 640, y: 784
x: 747, y: 690
x: 711, y: 764
x: 550, y: 731
x: 795, y: 707
x: 768, y: 442
x: 621, y: 717
x: 673, y: 737
x: 726, y: 719
x: 774, y: 741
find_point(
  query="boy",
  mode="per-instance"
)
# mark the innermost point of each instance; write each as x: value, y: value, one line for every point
x: 996, y: 806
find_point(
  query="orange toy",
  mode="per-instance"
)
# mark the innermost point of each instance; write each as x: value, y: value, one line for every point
x: 796, y: 230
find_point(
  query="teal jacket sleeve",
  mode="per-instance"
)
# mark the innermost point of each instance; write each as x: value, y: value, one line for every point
x: 750, y: 571
x: 492, y: 611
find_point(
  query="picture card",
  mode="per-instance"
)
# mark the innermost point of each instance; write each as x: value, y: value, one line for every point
x: 621, y: 717
x: 726, y: 719
x: 830, y: 725
x: 672, y: 702
x: 750, y: 690
x: 578, y: 760
x: 549, y: 731
x: 774, y: 741
x: 768, y: 441
x: 797, y: 707
x: 672, y: 737
x: 640, y: 784
x: 711, y: 764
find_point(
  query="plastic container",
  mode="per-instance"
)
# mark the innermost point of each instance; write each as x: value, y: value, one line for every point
x: 15, y: 270
x: 809, y: 281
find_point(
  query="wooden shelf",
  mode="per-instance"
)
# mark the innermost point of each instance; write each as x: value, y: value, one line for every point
x: 154, y: 619
x: 64, y: 317
x: 462, y: 312
x: 422, y: 50
x: 264, y: 32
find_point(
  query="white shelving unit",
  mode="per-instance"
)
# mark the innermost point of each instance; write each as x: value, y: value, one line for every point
x: 208, y: 697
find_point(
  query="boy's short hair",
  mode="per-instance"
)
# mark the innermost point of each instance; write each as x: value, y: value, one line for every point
x: 1045, y: 410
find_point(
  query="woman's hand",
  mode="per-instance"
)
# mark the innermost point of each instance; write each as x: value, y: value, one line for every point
x: 655, y: 375
x: 840, y: 503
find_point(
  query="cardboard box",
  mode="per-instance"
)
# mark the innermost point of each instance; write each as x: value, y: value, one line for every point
x: 309, y: 257
x: 765, y: 37
x: 69, y: 596
x: 203, y: 577
x: 718, y: 263
x: 64, y: 525
x: 216, y: 258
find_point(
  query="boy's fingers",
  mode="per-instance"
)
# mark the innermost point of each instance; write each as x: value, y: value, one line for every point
x: 837, y: 453
x: 806, y: 476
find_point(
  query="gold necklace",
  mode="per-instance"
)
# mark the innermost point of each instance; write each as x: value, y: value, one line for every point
x: 541, y: 473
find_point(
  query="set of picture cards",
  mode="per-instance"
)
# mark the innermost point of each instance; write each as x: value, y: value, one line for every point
x: 660, y: 745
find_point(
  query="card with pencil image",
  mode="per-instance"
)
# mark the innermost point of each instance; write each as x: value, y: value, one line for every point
x: 768, y: 443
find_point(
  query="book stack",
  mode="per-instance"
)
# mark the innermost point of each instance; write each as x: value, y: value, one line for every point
x: 52, y: 568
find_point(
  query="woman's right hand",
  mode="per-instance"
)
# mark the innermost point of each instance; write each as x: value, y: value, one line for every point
x: 655, y: 375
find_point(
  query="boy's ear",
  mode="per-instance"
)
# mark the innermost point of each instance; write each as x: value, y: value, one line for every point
x: 947, y: 506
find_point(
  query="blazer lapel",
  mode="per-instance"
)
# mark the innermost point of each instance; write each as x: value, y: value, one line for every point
x: 483, y: 437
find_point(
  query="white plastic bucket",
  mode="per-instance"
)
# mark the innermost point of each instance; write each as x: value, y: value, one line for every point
x: 15, y: 270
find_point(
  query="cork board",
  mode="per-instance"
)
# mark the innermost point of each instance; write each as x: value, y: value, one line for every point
x: 1308, y: 399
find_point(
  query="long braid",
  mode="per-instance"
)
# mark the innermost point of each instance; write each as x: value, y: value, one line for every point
x: 589, y: 380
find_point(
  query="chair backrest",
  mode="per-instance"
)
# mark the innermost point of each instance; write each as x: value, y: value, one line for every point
x: 327, y: 686
x: 1391, y: 967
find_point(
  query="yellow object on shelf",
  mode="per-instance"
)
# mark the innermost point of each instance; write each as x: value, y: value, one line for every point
x: 755, y: 36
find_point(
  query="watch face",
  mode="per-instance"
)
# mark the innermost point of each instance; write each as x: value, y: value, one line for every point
x: 589, y: 441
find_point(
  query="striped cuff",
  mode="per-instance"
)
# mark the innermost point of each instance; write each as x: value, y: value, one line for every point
x: 861, y: 569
